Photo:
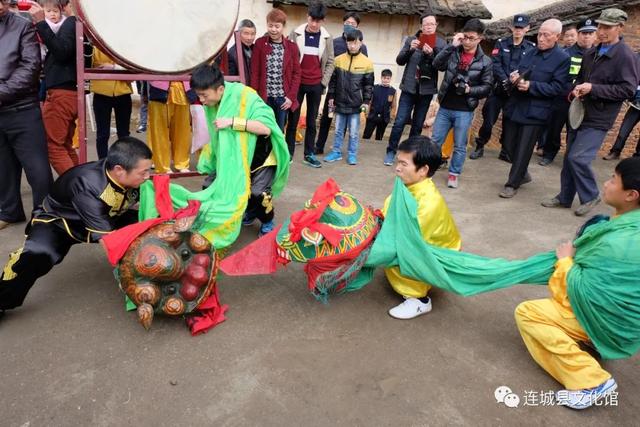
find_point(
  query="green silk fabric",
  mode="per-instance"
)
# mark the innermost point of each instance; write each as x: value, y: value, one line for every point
x: 228, y: 155
x: 603, y: 284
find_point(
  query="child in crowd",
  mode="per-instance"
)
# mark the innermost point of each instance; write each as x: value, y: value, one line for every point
x: 417, y: 160
x: 382, y: 107
x: 350, y: 90
x: 54, y: 17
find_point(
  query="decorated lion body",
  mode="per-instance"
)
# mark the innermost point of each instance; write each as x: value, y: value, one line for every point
x: 331, y: 266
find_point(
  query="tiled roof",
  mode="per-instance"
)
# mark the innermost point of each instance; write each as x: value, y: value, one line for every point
x: 453, y: 8
x: 567, y: 11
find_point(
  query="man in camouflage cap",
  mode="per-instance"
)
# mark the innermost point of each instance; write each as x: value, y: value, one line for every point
x: 612, y: 17
x: 608, y: 76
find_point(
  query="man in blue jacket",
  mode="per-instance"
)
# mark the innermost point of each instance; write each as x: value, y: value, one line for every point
x: 541, y: 77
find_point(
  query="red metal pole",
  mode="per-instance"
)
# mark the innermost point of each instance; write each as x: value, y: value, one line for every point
x: 82, y: 124
x: 240, y: 56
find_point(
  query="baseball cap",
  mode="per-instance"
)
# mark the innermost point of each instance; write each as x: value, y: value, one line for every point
x: 612, y: 16
x: 520, y: 21
x: 586, y: 25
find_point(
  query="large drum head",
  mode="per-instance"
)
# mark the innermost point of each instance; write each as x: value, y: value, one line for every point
x: 168, y: 36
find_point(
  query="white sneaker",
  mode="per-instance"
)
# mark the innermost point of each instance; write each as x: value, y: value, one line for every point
x: 410, y: 308
x: 452, y: 182
x: 581, y: 399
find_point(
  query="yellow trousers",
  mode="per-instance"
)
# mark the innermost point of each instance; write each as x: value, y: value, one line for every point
x: 550, y: 332
x: 405, y: 286
x: 169, y: 127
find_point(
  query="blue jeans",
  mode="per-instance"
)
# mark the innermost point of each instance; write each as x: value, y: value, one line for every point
x: 281, y: 115
x: 460, y: 121
x: 577, y: 175
x: 418, y: 104
x: 352, y: 122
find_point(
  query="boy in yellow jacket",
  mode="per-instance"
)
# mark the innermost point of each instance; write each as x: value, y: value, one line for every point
x: 417, y: 160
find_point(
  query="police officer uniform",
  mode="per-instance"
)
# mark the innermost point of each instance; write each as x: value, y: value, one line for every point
x: 506, y: 59
x: 85, y: 203
x: 560, y: 112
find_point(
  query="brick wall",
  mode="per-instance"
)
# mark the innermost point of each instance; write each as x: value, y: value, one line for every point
x: 631, y: 37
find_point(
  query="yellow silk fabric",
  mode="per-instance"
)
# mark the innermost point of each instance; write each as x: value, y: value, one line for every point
x: 437, y: 228
x: 107, y: 87
x: 169, y: 135
x: 551, y: 332
x: 177, y: 95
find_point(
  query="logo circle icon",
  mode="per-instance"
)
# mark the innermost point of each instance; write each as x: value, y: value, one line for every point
x: 501, y: 392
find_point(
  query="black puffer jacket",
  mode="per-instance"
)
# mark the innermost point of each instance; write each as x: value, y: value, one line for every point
x: 479, y: 74
x: 351, y: 84
x: 416, y: 62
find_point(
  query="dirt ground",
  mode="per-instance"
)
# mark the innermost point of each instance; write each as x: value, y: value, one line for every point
x: 73, y: 356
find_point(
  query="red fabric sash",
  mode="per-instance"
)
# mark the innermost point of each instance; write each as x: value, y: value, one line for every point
x: 210, y: 314
x: 117, y: 242
x: 258, y: 257
x: 308, y: 218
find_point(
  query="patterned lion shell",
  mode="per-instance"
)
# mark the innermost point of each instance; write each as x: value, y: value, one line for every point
x: 169, y: 270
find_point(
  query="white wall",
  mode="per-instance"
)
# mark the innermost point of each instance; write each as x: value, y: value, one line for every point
x: 503, y: 8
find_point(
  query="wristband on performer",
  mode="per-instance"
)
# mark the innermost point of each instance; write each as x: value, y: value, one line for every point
x: 239, y: 124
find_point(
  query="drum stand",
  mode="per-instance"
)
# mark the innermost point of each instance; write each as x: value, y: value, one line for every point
x: 126, y: 75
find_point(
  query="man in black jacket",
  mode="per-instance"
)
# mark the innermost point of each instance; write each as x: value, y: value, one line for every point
x: 506, y: 55
x: 541, y: 78
x: 247, y: 33
x: 87, y: 202
x: 23, y: 143
x: 468, y: 78
x: 609, y: 75
x: 419, y: 83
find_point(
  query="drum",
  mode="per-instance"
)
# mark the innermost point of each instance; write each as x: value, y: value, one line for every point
x: 166, y: 37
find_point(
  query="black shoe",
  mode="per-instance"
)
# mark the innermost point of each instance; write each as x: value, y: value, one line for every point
x: 526, y: 179
x: 478, y: 152
x: 504, y: 156
x: 318, y: 151
x: 545, y: 162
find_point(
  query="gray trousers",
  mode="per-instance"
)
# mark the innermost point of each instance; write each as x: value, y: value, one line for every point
x: 577, y: 175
